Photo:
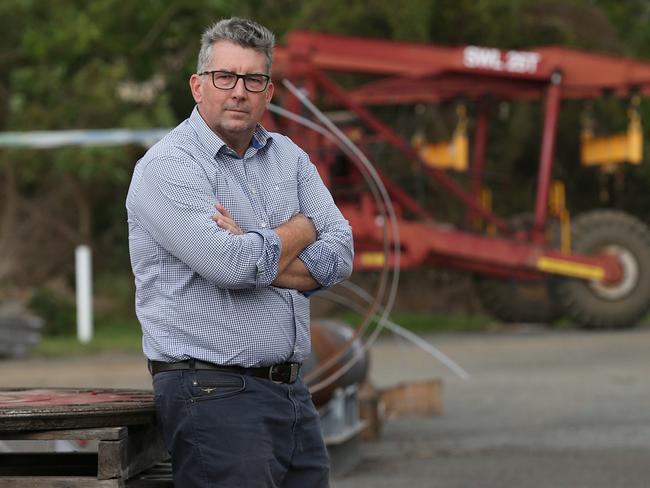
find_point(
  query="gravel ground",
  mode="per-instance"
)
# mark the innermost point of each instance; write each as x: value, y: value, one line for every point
x: 542, y: 408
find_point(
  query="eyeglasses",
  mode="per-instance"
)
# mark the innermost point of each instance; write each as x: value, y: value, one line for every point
x: 225, y: 80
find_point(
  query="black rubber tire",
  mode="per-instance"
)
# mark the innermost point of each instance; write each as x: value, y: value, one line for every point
x: 514, y: 301
x: 596, y: 306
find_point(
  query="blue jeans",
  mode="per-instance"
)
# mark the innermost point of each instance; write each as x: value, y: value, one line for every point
x: 227, y: 430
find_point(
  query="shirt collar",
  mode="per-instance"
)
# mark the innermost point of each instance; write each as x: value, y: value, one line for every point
x: 207, y: 137
x: 214, y: 143
x: 261, y: 137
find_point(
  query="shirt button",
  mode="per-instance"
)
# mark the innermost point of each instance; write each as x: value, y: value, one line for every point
x: 263, y: 225
x: 254, y: 191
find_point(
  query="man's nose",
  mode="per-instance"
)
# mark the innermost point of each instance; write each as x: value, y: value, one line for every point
x: 239, y: 89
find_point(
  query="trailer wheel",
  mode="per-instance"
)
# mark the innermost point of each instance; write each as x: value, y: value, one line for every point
x: 510, y: 300
x: 598, y: 305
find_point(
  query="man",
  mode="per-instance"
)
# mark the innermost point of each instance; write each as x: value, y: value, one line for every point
x: 220, y: 293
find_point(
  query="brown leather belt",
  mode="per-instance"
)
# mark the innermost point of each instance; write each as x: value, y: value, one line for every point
x: 283, y: 373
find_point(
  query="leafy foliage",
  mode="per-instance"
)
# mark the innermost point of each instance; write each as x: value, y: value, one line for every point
x: 71, y: 64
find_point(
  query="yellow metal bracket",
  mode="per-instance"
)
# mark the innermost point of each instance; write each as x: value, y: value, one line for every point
x: 453, y: 154
x: 557, y: 209
x: 609, y: 151
x: 570, y: 268
x: 372, y: 258
x: 486, y: 203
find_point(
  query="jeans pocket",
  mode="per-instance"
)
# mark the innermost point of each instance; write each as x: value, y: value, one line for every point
x: 213, y: 385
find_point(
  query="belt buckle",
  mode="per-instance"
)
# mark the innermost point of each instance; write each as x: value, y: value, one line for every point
x: 292, y: 376
x: 271, y: 371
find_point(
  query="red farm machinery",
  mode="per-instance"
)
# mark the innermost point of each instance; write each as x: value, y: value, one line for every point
x: 593, y: 267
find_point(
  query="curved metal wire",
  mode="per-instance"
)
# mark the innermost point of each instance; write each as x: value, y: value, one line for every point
x: 365, y: 323
x: 394, y: 327
x: 344, y: 142
x: 371, y: 313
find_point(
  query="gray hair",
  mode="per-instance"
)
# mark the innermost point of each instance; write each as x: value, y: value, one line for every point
x: 243, y: 32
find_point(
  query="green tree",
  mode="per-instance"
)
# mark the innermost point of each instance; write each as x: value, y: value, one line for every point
x: 72, y: 64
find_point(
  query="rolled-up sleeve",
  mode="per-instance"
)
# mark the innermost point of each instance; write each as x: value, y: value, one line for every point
x: 174, y: 203
x: 329, y: 259
x: 269, y: 256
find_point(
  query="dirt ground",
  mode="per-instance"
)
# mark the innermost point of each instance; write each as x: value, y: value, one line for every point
x: 542, y: 408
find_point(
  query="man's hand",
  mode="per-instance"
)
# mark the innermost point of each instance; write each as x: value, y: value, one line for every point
x: 296, y: 276
x: 295, y: 234
x: 225, y: 220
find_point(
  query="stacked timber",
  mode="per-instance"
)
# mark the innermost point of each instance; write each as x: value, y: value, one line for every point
x: 20, y: 330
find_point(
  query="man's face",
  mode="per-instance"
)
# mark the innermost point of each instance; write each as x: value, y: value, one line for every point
x: 232, y: 114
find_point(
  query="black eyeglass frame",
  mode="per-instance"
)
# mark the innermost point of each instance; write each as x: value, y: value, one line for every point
x: 237, y: 76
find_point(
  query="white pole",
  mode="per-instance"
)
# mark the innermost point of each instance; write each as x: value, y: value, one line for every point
x: 83, y: 268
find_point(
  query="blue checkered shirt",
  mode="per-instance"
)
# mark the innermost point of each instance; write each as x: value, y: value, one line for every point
x: 204, y: 293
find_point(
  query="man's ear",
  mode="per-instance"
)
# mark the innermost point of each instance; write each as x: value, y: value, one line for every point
x: 195, y: 86
x: 269, y: 93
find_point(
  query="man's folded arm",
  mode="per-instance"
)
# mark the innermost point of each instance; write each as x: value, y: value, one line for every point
x: 329, y: 258
x: 175, y: 202
x: 296, y: 276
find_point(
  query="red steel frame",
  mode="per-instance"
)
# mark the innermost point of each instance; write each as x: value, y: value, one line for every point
x: 424, y: 73
x: 478, y: 157
x: 551, y: 114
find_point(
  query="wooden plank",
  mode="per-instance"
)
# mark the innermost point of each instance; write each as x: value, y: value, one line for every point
x: 147, y: 483
x: 66, y: 422
x: 158, y: 476
x: 122, y: 453
x: 413, y: 398
x: 370, y: 412
x: 73, y: 408
x: 58, y: 482
x: 141, y: 449
x: 104, y: 433
x: 48, y: 464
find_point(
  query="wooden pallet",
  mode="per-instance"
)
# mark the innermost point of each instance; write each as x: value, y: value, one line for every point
x: 122, y: 452
x: 122, y: 424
